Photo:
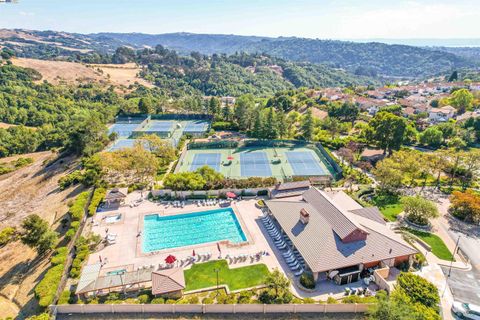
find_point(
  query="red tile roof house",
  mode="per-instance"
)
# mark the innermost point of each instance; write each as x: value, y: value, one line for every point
x: 340, y: 240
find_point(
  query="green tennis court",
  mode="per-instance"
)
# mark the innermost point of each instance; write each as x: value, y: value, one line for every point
x: 282, y: 163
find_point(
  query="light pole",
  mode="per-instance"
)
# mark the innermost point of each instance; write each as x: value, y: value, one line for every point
x: 451, y: 264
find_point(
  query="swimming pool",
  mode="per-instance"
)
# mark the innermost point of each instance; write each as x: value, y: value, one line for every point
x: 165, y: 232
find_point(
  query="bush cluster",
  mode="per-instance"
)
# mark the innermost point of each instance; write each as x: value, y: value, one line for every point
x: 307, y: 280
x: 47, y: 287
x: 6, y: 235
x: 97, y: 198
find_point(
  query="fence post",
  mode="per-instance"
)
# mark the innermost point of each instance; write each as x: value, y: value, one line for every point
x: 83, y: 309
x: 355, y: 307
x: 234, y: 308
x: 295, y: 308
x: 264, y: 308
x: 173, y: 308
x: 112, y: 309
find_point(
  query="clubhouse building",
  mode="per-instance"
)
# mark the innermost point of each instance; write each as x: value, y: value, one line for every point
x: 338, y: 239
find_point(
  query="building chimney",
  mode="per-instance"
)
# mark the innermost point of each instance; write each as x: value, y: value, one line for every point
x: 304, y: 216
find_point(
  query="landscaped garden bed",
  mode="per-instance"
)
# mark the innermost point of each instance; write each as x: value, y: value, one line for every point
x: 439, y: 248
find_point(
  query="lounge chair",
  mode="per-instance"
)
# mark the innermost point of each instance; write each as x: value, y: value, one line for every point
x: 298, y: 273
x: 291, y: 260
x: 295, y: 266
x: 283, y: 246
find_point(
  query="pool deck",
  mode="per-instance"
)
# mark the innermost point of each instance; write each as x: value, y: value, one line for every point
x: 126, y: 252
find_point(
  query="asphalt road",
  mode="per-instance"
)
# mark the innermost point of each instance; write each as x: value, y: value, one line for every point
x: 465, y: 285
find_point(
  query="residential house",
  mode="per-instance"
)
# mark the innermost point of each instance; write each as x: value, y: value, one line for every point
x: 442, y: 114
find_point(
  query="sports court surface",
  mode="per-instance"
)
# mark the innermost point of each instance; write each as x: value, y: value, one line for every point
x: 281, y: 163
x: 171, y: 130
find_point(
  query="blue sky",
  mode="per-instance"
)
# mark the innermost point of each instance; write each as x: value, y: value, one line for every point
x: 347, y: 19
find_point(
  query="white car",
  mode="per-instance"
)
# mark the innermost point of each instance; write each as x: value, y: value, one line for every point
x: 466, y: 310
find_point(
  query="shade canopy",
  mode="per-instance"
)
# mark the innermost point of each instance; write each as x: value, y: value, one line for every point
x: 230, y: 158
x: 170, y: 259
x: 231, y: 195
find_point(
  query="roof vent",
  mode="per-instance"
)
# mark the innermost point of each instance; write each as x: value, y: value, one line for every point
x: 304, y: 216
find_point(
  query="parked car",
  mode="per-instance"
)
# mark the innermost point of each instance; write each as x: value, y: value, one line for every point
x: 466, y: 310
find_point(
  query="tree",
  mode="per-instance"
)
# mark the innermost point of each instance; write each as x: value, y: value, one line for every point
x: 465, y: 205
x: 453, y: 76
x: 88, y: 135
x: 307, y: 125
x: 462, y: 100
x: 244, y: 107
x: 257, y: 130
x: 431, y: 137
x: 398, y: 306
x: 214, y: 106
x: 419, y: 290
x: 419, y: 210
x: 346, y: 111
x: 270, y: 130
x: 282, y: 124
x: 37, y: 234
x: 161, y: 148
x: 388, y: 175
x: 387, y: 131
x: 145, y: 105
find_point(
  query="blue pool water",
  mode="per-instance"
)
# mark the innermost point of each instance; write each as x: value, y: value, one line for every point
x: 190, y: 229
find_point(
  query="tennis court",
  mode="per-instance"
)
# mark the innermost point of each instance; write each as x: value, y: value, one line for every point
x: 206, y: 159
x: 304, y: 163
x: 122, y: 144
x: 255, y: 164
x: 196, y: 127
x: 159, y: 126
x: 123, y: 130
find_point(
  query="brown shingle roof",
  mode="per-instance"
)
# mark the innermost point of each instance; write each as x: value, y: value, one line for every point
x: 341, y: 221
x: 371, y: 213
x: 168, y: 280
x: 318, y: 241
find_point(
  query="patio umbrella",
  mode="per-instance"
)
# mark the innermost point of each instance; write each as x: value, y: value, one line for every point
x: 231, y: 195
x: 333, y: 274
x: 170, y: 259
x: 193, y: 253
x: 230, y: 158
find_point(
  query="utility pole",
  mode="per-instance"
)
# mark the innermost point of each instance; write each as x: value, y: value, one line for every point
x: 217, y: 271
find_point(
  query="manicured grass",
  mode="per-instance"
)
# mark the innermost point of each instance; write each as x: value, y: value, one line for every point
x: 438, y: 246
x: 203, y: 275
x: 389, y: 205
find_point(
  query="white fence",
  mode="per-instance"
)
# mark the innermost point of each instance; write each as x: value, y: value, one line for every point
x: 209, y: 308
x: 186, y: 194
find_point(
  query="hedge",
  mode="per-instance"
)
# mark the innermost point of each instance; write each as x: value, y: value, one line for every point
x: 77, y: 209
x: 97, y: 198
x: 60, y: 256
x: 47, y: 287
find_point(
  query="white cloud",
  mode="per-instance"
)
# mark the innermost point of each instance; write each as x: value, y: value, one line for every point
x: 26, y: 14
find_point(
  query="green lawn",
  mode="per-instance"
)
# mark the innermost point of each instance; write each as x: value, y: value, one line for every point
x: 389, y: 205
x: 438, y: 246
x: 203, y: 275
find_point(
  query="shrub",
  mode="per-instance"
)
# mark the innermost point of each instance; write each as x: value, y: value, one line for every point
x: 6, y: 235
x: 307, y: 280
x: 207, y: 300
x: 308, y: 301
x: 97, y: 198
x: 245, y: 297
x: 47, y: 287
x: 158, y: 301
x: 465, y: 206
x: 65, y: 297
x: 419, y: 289
x: 332, y: 300
x: 42, y: 316
x: 60, y: 256
x: 193, y: 299
x: 70, y: 179
x: 112, y: 296
x: 143, y: 298
x: 419, y: 210
x: 170, y: 301
x: 224, y: 125
x: 77, y: 209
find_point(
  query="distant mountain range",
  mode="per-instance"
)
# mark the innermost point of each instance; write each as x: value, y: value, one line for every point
x: 369, y: 59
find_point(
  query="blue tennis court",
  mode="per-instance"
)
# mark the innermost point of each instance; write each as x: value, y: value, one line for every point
x: 206, y: 159
x: 122, y: 144
x: 123, y: 130
x: 196, y: 126
x: 160, y: 126
x: 254, y: 164
x: 304, y: 164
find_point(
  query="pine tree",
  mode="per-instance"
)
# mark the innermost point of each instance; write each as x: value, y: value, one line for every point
x: 257, y: 131
x: 214, y: 107
x: 307, y: 125
x: 282, y: 125
x: 270, y: 125
x: 227, y: 113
